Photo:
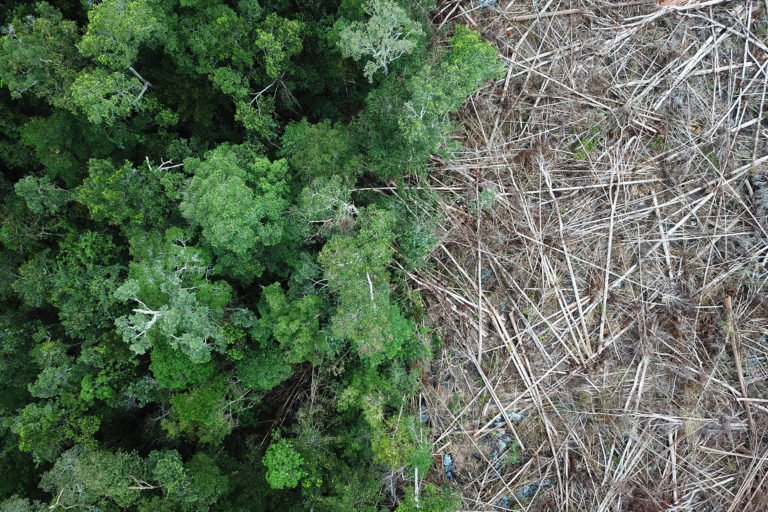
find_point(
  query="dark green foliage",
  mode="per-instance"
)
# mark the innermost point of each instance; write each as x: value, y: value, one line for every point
x: 264, y: 369
x: 319, y: 150
x: 174, y: 370
x: 63, y: 143
x: 201, y: 302
x: 295, y: 324
x: 39, y: 56
x: 83, y: 282
x: 129, y: 196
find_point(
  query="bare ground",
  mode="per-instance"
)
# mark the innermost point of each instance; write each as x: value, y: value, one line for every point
x: 601, y: 275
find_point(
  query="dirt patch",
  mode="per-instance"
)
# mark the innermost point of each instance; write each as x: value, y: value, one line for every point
x: 610, y: 196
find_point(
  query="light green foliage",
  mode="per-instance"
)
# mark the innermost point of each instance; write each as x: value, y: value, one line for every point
x: 239, y: 199
x: 395, y: 443
x: 90, y: 479
x: 236, y: 340
x: 278, y: 39
x: 16, y: 504
x: 41, y: 194
x: 167, y: 469
x: 430, y: 500
x: 52, y: 378
x: 356, y: 269
x: 588, y: 144
x: 86, y: 477
x: 373, y: 390
x: 323, y: 205
x: 39, y: 56
x: 173, y: 300
x: 406, y: 122
x: 438, y: 91
x: 116, y: 30
x: 33, y: 282
x: 388, y: 34
x: 129, y: 195
x: 191, y: 486
x: 257, y: 116
x: 105, y: 96
x: 295, y: 324
x: 283, y: 464
x: 63, y: 481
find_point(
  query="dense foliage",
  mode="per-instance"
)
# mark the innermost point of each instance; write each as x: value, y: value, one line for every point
x: 199, y: 309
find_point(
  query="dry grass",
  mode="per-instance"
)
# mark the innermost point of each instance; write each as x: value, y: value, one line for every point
x: 612, y: 195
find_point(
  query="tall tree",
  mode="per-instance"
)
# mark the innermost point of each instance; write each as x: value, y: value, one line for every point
x: 388, y: 34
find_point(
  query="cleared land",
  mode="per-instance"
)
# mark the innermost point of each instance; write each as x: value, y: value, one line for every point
x: 601, y: 275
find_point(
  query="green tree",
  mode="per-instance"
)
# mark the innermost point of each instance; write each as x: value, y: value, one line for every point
x: 116, y: 30
x: 105, y: 96
x: 263, y: 369
x: 324, y: 205
x: 239, y: 199
x: 174, y: 301
x: 278, y: 39
x: 83, y: 281
x: 101, y: 480
x: 430, y: 499
x: 356, y: 269
x: 87, y: 477
x: 283, y: 464
x: 295, y: 324
x: 322, y: 149
x: 175, y: 370
x: 39, y: 56
x: 17, y: 504
x: 406, y: 122
x: 206, y: 412
x: 388, y: 34
x: 439, y: 91
x: 41, y: 194
x: 130, y: 195
x: 63, y: 143
x: 158, y: 317
x: 45, y: 428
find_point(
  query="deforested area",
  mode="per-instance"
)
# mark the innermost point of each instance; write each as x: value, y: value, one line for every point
x: 599, y: 289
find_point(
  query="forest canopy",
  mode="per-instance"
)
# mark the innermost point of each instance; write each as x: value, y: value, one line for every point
x: 202, y: 302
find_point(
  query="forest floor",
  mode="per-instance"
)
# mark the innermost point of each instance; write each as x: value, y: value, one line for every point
x: 599, y: 291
